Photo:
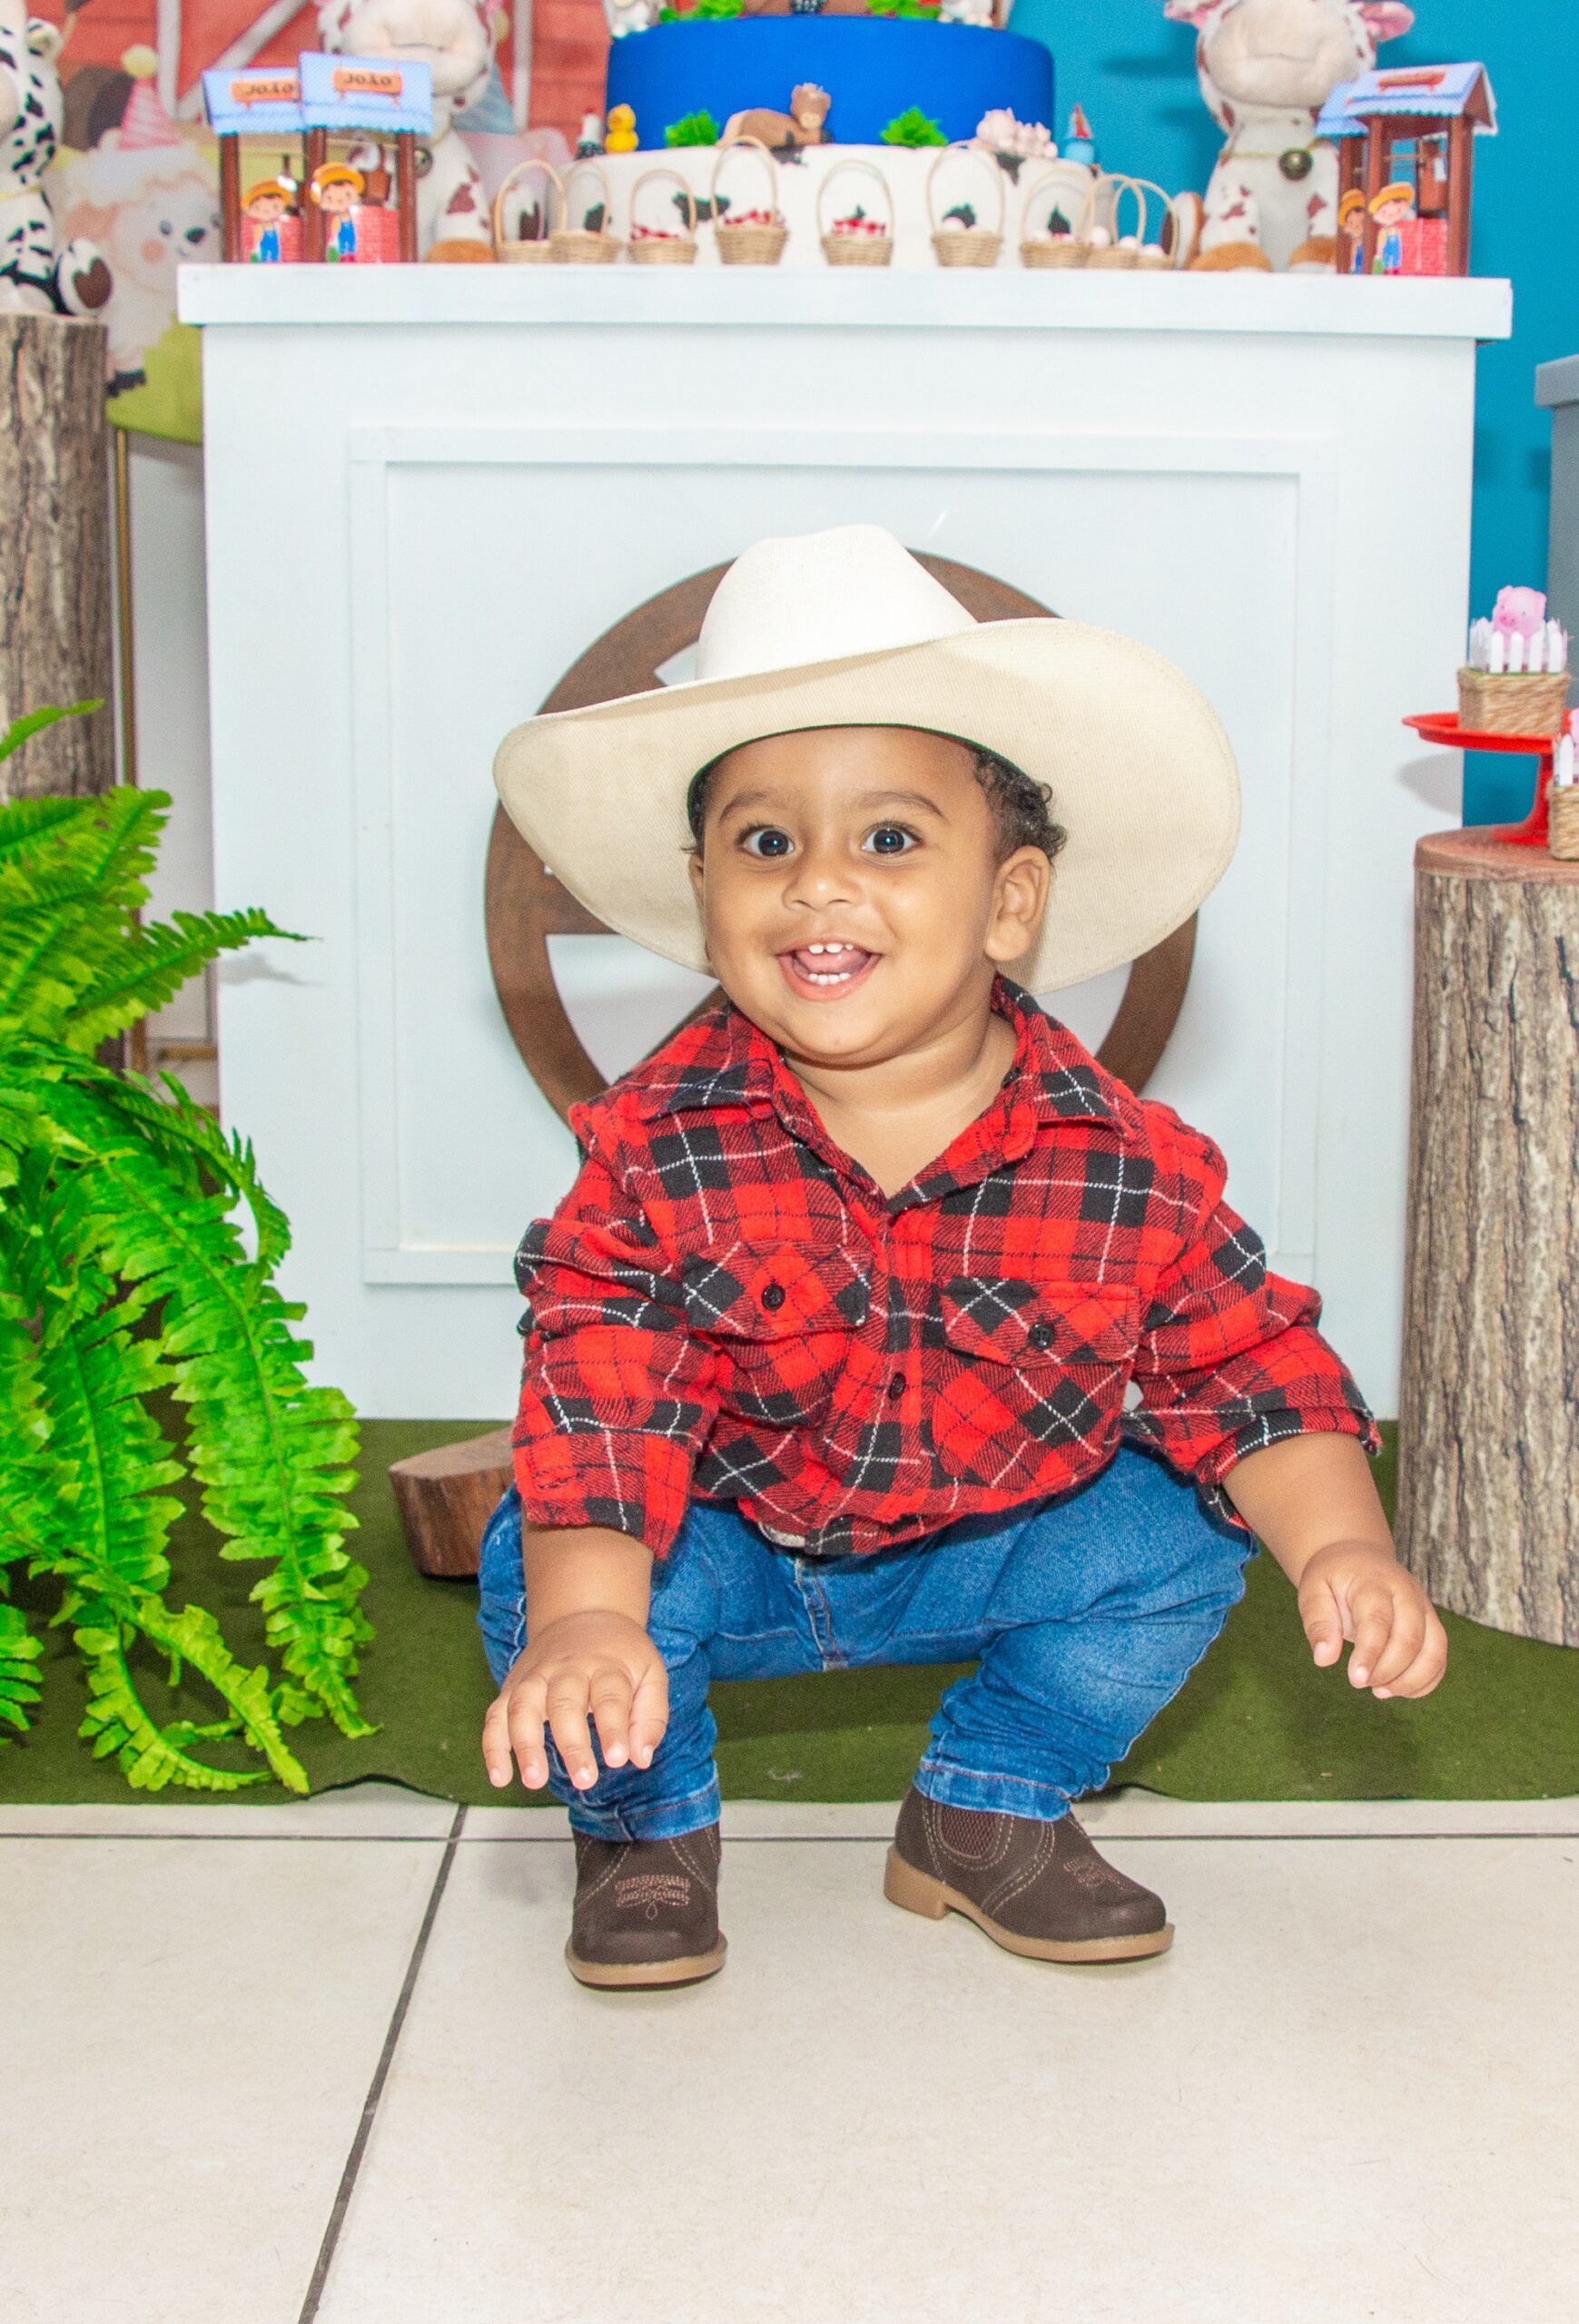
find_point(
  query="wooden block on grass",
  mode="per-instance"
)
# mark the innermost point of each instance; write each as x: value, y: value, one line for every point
x: 446, y: 1496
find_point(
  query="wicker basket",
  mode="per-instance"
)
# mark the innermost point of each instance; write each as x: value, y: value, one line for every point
x: 664, y: 250
x: 965, y: 245
x: 1046, y: 249
x: 1529, y: 702
x: 855, y: 249
x: 756, y: 244
x: 538, y: 252
x: 1563, y: 821
x: 586, y: 245
x: 1152, y: 258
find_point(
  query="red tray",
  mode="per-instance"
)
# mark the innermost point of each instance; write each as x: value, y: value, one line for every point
x: 1442, y: 726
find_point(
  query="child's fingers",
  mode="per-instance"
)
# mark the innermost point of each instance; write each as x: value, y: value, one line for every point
x: 496, y: 1741
x: 1371, y: 1611
x: 1323, y: 1619
x: 567, y: 1712
x: 526, y: 1732
x: 609, y: 1694
x: 1404, y: 1641
x: 1426, y: 1668
x: 649, y: 1713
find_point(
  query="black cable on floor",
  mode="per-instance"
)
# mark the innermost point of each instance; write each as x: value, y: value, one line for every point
x: 354, y: 2161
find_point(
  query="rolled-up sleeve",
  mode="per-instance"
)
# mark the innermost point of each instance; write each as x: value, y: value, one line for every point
x: 1229, y: 1357
x: 616, y: 1390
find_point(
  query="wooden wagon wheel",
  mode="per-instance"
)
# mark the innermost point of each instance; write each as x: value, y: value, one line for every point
x: 526, y: 905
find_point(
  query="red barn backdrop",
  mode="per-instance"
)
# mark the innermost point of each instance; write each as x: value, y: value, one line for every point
x: 550, y: 52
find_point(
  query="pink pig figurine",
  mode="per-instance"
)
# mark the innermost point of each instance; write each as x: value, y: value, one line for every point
x: 1519, y: 613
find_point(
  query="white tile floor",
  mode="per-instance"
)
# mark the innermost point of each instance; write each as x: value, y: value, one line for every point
x: 325, y: 2062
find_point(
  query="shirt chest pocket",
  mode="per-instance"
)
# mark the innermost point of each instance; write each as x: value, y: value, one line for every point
x: 1031, y: 1372
x: 780, y: 1317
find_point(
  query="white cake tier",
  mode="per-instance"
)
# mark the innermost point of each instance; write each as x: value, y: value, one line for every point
x: 798, y: 189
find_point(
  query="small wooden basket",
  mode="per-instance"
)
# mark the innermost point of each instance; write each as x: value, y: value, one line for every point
x: 1112, y: 252
x: 1563, y: 821
x: 541, y: 249
x: 585, y: 245
x: 1151, y: 258
x: 752, y: 242
x: 1529, y: 701
x: 1046, y: 247
x: 650, y: 248
x: 855, y: 248
x: 965, y: 245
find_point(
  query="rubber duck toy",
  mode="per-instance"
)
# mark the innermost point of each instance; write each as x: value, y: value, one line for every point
x: 619, y: 137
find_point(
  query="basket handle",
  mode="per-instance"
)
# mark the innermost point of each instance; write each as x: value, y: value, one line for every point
x: 1049, y: 176
x: 650, y: 177
x: 1168, y: 209
x: 550, y: 172
x: 963, y: 146
x: 852, y: 164
x: 587, y: 162
x: 768, y: 164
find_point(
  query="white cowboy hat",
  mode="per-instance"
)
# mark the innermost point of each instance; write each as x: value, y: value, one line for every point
x: 845, y: 628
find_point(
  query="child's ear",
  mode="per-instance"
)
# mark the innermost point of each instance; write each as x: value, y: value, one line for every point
x: 1023, y: 885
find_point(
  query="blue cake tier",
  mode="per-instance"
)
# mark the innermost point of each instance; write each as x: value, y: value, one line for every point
x: 872, y: 67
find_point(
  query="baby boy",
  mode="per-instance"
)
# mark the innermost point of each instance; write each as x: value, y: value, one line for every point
x: 881, y: 1324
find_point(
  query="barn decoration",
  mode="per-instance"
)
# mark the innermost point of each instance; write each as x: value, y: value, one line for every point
x: 374, y: 106
x: 1410, y: 215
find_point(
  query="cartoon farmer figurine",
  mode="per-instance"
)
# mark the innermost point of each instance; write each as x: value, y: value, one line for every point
x: 1351, y: 227
x: 335, y: 188
x: 1391, y: 208
x: 265, y: 204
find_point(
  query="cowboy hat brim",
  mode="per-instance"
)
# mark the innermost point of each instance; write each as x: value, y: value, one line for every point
x: 1139, y: 768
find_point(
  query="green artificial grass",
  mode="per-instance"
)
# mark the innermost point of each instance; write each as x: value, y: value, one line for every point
x: 1257, y: 1720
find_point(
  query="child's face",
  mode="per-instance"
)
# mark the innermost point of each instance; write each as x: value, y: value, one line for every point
x: 1393, y: 214
x: 267, y: 209
x: 877, y: 839
x: 337, y: 197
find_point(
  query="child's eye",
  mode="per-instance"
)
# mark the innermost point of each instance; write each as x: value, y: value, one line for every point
x: 892, y: 839
x: 775, y: 842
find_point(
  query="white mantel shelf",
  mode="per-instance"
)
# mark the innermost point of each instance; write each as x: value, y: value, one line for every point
x: 430, y: 488
x: 1328, y: 306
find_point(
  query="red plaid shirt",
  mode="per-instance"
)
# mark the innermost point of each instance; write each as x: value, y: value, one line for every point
x: 726, y: 1305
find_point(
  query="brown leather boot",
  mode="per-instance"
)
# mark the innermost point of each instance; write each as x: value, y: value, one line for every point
x: 646, y: 1911
x: 1040, y: 1889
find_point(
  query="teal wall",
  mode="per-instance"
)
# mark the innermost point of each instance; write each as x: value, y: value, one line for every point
x: 1134, y: 74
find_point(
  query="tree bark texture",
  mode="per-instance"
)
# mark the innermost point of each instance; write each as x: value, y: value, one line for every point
x: 1488, y: 1421
x: 54, y: 552
x: 446, y: 1496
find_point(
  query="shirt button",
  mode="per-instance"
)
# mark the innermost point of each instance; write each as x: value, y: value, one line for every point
x: 772, y: 1295
x: 1041, y: 1336
x: 896, y: 1388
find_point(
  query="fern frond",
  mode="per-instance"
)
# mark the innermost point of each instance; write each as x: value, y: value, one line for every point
x: 150, y: 1756
x: 33, y: 722
x: 271, y: 1454
x: 67, y: 894
x: 20, y: 1654
x: 155, y: 963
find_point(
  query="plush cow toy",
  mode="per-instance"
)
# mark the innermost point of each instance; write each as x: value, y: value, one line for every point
x: 1266, y: 68
x: 35, y: 277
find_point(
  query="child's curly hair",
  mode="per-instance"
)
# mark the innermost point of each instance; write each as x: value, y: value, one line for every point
x: 1021, y: 807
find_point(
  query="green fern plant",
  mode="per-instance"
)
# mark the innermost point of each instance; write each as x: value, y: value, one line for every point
x: 137, y: 1259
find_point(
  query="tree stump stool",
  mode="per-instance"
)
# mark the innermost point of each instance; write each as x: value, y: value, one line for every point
x: 446, y: 1496
x: 1488, y: 1413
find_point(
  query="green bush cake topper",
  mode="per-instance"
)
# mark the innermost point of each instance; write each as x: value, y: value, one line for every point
x: 913, y: 127
x: 695, y: 129
x: 137, y: 1261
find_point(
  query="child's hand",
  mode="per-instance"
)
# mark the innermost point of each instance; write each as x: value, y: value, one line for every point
x: 600, y: 1664
x: 1352, y: 1590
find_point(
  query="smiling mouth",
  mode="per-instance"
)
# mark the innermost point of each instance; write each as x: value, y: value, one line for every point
x: 826, y: 970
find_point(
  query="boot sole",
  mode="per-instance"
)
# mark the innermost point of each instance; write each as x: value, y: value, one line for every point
x: 918, y: 1892
x: 624, y: 1976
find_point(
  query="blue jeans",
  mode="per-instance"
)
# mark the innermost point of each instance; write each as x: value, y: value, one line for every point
x: 1087, y: 1613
